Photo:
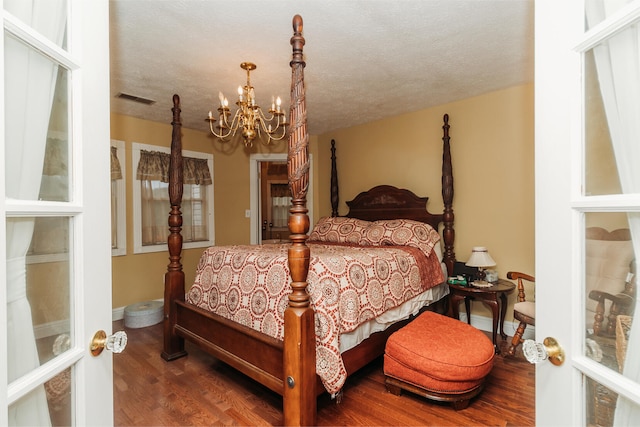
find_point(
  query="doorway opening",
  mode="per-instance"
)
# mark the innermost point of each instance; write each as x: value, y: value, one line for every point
x: 270, y: 198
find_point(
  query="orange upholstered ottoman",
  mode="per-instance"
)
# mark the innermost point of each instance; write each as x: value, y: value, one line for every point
x: 438, y: 357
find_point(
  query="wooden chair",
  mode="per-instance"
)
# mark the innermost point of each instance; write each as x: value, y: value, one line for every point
x: 523, y: 310
x: 610, y: 270
x: 610, y: 285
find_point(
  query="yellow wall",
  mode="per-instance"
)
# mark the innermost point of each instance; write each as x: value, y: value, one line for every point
x: 492, y: 149
x: 492, y: 144
x: 139, y: 277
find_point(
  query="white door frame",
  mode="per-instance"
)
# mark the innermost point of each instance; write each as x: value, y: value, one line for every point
x: 559, y: 217
x: 254, y: 190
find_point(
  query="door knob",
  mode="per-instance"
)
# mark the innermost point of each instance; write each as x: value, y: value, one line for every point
x: 115, y: 343
x: 536, y: 352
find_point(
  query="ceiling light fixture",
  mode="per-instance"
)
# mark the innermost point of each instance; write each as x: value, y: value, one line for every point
x: 249, y: 117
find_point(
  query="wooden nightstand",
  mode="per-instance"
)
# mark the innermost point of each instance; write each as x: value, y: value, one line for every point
x: 489, y: 296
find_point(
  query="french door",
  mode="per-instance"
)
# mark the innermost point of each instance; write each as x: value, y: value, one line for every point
x: 587, y: 95
x: 55, y: 286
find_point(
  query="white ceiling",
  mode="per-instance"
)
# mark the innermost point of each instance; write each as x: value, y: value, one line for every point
x: 366, y: 59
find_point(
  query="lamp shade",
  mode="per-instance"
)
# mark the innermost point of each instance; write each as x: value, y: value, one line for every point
x: 480, y: 258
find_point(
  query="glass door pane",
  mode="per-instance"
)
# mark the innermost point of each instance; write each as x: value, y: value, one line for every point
x: 39, y: 310
x: 610, y: 288
x: 41, y: 136
x: 612, y: 125
x: 54, y: 10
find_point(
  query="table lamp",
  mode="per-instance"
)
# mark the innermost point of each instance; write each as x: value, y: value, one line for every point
x: 480, y: 258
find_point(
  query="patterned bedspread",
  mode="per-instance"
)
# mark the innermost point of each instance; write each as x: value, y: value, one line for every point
x: 347, y: 286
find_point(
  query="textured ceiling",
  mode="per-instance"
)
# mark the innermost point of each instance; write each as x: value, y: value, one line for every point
x: 366, y: 60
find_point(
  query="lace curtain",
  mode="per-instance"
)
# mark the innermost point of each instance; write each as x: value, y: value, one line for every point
x: 280, y: 203
x: 116, y: 175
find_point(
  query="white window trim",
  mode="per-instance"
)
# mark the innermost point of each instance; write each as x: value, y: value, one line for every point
x: 137, y: 213
x: 121, y: 213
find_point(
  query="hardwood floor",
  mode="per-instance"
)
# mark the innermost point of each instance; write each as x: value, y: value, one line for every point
x: 200, y: 390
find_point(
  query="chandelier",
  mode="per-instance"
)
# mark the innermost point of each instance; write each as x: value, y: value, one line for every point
x: 249, y: 117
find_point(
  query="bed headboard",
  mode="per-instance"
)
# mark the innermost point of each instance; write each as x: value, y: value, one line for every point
x: 389, y: 202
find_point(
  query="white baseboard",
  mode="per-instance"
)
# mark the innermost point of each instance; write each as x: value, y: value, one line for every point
x: 117, y: 314
x: 486, y: 324
x: 50, y: 329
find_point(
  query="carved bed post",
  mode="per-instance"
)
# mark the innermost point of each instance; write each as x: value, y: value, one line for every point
x: 299, y: 358
x: 447, y: 197
x: 174, y: 278
x: 334, y: 181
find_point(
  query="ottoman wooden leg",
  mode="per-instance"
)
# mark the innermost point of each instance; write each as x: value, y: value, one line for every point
x: 460, y: 404
x: 458, y: 401
x: 392, y: 388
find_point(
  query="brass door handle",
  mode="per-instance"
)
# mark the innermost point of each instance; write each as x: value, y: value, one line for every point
x: 115, y: 343
x: 550, y: 350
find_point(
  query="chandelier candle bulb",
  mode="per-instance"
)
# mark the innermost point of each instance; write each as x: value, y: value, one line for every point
x: 249, y: 118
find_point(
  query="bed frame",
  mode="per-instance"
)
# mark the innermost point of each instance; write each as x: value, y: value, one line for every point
x: 288, y: 367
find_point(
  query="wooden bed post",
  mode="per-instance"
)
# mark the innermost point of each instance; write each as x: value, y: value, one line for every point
x: 447, y: 197
x: 174, y: 277
x: 334, y: 181
x: 299, y: 357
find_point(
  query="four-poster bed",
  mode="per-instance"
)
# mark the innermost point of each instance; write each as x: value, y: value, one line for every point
x: 278, y: 348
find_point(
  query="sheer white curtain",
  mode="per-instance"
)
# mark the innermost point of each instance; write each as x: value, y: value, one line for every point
x: 153, y: 173
x: 29, y: 87
x: 618, y: 66
x: 116, y: 175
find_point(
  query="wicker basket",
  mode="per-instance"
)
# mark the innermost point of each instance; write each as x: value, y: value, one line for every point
x: 623, y: 325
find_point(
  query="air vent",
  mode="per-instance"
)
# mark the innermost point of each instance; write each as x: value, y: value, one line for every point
x: 135, y: 98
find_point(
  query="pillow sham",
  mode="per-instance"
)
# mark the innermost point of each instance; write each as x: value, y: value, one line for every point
x: 402, y: 232
x: 339, y: 230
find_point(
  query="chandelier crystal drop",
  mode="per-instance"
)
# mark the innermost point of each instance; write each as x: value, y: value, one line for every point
x: 249, y: 118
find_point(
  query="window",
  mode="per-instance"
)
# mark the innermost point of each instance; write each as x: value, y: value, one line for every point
x: 151, y: 199
x: 118, y: 200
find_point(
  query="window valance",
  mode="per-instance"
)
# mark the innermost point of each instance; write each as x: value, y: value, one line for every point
x: 154, y: 166
x: 116, y: 170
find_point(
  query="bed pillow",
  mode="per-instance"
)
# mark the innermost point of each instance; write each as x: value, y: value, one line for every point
x: 402, y: 232
x: 339, y: 230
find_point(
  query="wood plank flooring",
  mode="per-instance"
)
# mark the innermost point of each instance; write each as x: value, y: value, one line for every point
x: 198, y: 390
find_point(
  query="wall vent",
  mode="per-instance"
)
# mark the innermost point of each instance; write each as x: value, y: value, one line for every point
x: 135, y: 98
